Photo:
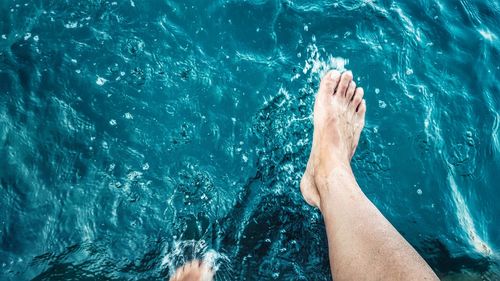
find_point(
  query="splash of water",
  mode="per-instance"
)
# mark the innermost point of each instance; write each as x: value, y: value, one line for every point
x: 184, y: 251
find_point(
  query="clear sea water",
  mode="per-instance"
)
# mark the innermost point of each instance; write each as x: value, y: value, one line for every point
x: 135, y: 135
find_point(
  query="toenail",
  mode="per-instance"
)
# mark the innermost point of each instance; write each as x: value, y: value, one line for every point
x: 334, y: 74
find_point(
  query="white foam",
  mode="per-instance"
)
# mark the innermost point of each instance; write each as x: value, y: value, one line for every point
x: 199, y: 250
x: 315, y: 64
x: 495, y: 133
x: 427, y: 120
x: 465, y: 219
x: 71, y: 24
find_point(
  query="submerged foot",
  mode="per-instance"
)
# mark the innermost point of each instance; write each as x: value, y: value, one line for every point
x: 193, y: 271
x: 339, y: 117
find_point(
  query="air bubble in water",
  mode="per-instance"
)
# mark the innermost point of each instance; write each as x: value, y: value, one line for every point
x: 100, y: 81
x: 134, y: 175
x: 71, y: 24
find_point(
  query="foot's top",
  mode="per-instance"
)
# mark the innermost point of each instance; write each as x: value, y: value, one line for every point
x: 193, y: 271
x: 339, y: 117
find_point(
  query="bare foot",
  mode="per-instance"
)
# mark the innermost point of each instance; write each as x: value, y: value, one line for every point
x: 339, y: 117
x: 193, y: 271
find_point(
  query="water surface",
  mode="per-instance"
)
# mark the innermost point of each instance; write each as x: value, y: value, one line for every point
x: 137, y: 134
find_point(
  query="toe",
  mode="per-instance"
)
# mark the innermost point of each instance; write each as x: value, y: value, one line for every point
x: 362, y: 109
x: 345, y: 80
x: 350, y: 91
x: 329, y: 83
x: 358, y: 97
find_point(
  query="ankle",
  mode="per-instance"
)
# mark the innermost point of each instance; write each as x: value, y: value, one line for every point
x: 334, y: 178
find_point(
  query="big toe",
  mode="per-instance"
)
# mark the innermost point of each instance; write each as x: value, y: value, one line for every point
x: 345, y: 81
x: 328, y: 84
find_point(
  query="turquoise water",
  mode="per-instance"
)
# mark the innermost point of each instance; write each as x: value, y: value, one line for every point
x: 135, y: 135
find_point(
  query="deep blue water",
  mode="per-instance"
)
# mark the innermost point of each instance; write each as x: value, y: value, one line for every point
x: 135, y: 135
